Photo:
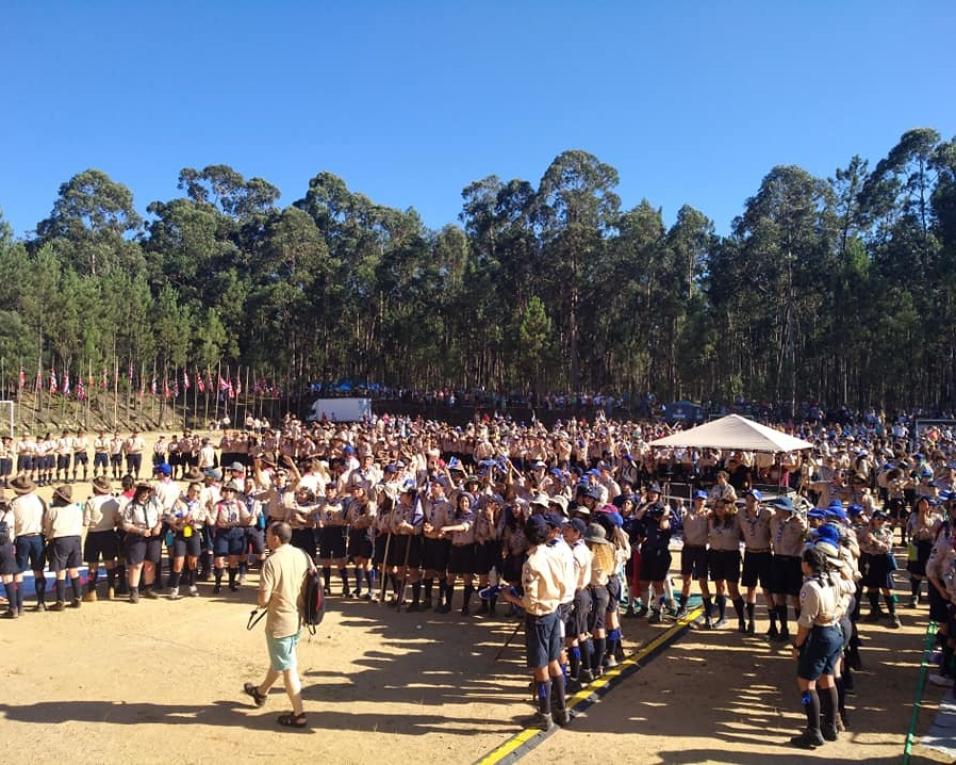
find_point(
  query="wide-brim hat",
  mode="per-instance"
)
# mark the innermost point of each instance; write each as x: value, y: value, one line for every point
x: 102, y: 485
x: 142, y: 486
x: 194, y: 474
x: 22, y: 484
x: 64, y: 492
x: 596, y: 534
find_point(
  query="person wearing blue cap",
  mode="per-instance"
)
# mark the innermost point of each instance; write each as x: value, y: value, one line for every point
x: 788, y: 532
x: 878, y: 576
x: 693, y: 556
x: 543, y: 588
x: 655, y: 556
x: 723, y: 537
x: 758, y: 558
x: 577, y: 642
x: 921, y: 530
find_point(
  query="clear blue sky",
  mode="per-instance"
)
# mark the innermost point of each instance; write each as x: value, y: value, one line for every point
x: 692, y: 102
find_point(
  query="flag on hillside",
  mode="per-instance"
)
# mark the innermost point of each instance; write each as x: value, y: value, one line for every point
x: 152, y: 386
x: 66, y: 383
x: 175, y: 388
x: 185, y: 380
x: 104, y: 381
x: 200, y: 383
x: 53, y: 386
x: 223, y: 385
x: 166, y: 390
x: 238, y: 385
x: 80, y: 390
x: 23, y: 378
x: 38, y: 383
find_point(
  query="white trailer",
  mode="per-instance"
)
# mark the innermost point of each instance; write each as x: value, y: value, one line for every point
x: 340, y: 409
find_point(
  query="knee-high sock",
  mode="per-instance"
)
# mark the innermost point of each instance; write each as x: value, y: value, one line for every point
x: 557, y: 692
x: 750, y: 611
x: 358, y: 579
x: 841, y: 696
x: 597, y: 654
x: 739, y: 608
x: 890, y: 604
x: 77, y: 587
x: 327, y: 576
x: 811, y: 706
x: 416, y: 592
x: 344, y: 576
x: 39, y: 582
x: 782, y: 616
x: 914, y: 586
x: 574, y: 658
x: 828, y: 706
x: 721, y: 606
x: 874, y: 597
x: 613, y: 638
x: 429, y: 585
x: 91, y: 578
x: 60, y: 590
x: 544, y: 696
x: 174, y: 578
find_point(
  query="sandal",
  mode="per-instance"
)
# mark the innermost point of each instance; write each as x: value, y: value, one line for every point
x: 253, y: 690
x: 292, y: 720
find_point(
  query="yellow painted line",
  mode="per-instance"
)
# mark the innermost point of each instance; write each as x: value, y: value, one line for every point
x: 527, y: 734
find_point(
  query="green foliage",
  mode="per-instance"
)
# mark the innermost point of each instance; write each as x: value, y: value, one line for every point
x: 839, y: 289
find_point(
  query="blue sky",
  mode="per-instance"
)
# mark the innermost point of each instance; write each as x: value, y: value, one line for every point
x: 692, y: 102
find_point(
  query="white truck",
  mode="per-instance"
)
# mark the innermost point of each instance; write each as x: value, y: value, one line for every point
x: 340, y: 409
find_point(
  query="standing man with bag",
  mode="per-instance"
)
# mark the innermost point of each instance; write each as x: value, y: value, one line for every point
x: 280, y: 592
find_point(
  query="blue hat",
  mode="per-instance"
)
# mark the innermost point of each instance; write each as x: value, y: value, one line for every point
x: 834, y: 504
x: 578, y: 525
x: 554, y: 520
x: 836, y: 512
x: 854, y: 509
x: 817, y: 512
x: 700, y: 494
x: 555, y: 471
x: 536, y: 529
x: 783, y: 503
x: 655, y: 487
x: 163, y: 468
x: 755, y: 493
x: 348, y: 450
x: 828, y: 533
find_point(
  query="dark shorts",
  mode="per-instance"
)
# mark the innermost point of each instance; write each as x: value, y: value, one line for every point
x: 461, y: 559
x: 8, y: 560
x: 24, y: 463
x: 511, y: 568
x: 101, y: 459
x: 332, y: 542
x: 724, y: 565
x: 879, y: 572
x: 100, y: 544
x: 6, y: 466
x: 786, y: 576
x: 30, y: 553
x: 134, y: 462
x: 693, y: 562
x: 255, y: 541
x: 304, y: 539
x: 406, y: 550
x: 487, y: 556
x: 819, y: 654
x: 542, y: 639
x: 360, y: 546
x: 139, y: 549
x: 183, y: 546
x: 655, y: 564
x: 116, y: 459
x: 938, y: 607
x: 66, y: 553
x: 613, y: 593
x: 599, y: 601
x: 758, y: 568
x: 230, y: 542
x: 80, y: 458
x: 62, y: 461
x: 918, y: 567
x: 580, y: 614
x: 435, y: 554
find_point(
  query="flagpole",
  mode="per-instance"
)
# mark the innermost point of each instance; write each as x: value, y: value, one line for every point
x: 215, y: 415
x: 115, y: 389
x: 205, y: 395
x: 235, y: 407
x: 88, y: 393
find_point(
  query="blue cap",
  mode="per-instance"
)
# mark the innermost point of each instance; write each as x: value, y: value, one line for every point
x: 854, y: 509
x: 348, y: 450
x: 755, y: 493
x: 836, y: 512
x: 555, y: 471
x: 817, y: 512
x: 536, y: 528
x: 783, y: 503
x: 554, y: 520
x: 828, y: 533
x: 835, y: 504
x: 578, y: 525
x: 163, y: 468
x: 700, y: 494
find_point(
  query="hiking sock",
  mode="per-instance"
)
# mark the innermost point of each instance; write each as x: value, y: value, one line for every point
x: 327, y: 577
x: 811, y: 706
x: 18, y: 586
x: 784, y: 624
x: 828, y: 706
x: 574, y: 659
x: 60, y: 590
x: 344, y: 576
x: 721, y: 606
x: 174, y: 579
x: 416, y: 593
x: 429, y: 585
x: 557, y: 690
x: 890, y: 604
x: 77, y: 587
x: 39, y: 582
x: 613, y: 637
x: 739, y: 608
x: 597, y: 654
x: 358, y: 571
x: 543, y: 690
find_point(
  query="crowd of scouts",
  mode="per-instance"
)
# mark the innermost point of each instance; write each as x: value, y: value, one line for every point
x: 572, y: 528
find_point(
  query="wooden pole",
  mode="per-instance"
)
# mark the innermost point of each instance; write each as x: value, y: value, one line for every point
x: 206, y: 387
x: 215, y: 385
x: 115, y: 389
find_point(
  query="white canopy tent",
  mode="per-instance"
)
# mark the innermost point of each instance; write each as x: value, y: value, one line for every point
x: 734, y: 433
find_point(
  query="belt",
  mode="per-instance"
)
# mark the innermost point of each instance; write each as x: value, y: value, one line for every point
x: 24, y: 536
x: 759, y: 552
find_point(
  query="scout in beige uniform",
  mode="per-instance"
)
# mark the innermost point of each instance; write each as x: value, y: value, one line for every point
x: 80, y: 455
x: 28, y: 511
x: 435, y: 550
x: 63, y: 526
x: 758, y: 558
x: 333, y: 538
x: 101, y: 517
x: 693, y: 556
x: 788, y: 531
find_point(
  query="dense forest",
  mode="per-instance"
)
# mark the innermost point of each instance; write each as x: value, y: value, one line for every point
x: 839, y: 289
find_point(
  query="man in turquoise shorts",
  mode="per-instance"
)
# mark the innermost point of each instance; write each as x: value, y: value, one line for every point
x: 280, y: 588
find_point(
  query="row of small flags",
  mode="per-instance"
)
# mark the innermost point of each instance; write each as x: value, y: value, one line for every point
x: 226, y: 386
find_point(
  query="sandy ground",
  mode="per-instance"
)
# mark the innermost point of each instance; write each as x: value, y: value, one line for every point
x: 160, y: 682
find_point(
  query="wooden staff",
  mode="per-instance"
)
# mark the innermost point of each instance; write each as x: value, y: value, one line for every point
x: 388, y: 543
x: 215, y: 415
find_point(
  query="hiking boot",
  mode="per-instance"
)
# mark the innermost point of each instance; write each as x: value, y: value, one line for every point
x: 174, y: 594
x: 895, y: 622
x: 10, y: 613
x: 751, y: 628
x: 807, y: 740
x: 89, y: 596
x: 152, y: 594
x: 828, y: 733
x: 134, y: 596
x: 193, y: 591
x: 76, y: 603
x: 562, y: 717
x: 540, y: 721
x: 58, y: 606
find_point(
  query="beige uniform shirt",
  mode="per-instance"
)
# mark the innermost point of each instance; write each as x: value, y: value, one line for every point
x: 724, y: 534
x: 544, y: 581
x: 281, y: 581
x: 819, y: 606
x: 788, y: 534
x: 582, y: 564
x: 756, y: 530
x: 695, y: 528
x: 27, y: 515
x: 65, y: 521
x: 101, y: 513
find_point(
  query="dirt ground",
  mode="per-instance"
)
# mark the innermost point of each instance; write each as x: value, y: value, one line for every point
x: 160, y: 682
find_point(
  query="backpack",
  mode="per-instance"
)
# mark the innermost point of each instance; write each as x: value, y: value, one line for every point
x: 312, y: 602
